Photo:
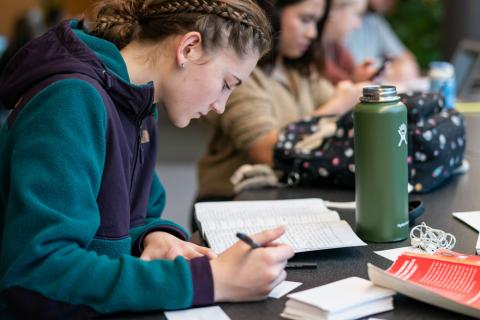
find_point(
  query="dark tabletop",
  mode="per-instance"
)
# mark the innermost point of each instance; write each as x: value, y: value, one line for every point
x: 461, y: 193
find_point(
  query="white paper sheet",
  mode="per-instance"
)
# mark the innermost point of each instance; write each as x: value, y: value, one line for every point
x: 352, y: 204
x: 340, y: 205
x: 478, y: 245
x: 207, y: 313
x: 393, y: 254
x: 283, y: 288
x: 342, y: 294
x: 301, y: 237
x: 471, y: 218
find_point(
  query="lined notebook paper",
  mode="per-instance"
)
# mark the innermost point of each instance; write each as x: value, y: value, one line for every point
x: 309, y: 224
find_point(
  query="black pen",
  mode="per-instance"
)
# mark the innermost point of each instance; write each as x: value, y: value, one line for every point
x: 245, y: 238
x: 301, y: 265
x: 290, y: 265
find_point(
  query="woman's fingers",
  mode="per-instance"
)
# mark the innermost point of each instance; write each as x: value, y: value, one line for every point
x: 205, y: 251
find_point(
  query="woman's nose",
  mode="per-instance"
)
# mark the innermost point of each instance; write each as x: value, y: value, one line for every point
x: 218, y: 107
x: 311, y: 31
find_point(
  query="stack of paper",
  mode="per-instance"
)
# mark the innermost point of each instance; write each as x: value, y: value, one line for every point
x: 350, y: 298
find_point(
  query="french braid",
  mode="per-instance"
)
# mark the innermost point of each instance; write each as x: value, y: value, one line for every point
x: 122, y: 21
x: 219, y: 8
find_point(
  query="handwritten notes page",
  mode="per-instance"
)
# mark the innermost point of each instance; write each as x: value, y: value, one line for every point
x: 309, y: 224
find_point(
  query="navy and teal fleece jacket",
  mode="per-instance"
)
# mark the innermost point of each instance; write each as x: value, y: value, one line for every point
x: 78, y: 192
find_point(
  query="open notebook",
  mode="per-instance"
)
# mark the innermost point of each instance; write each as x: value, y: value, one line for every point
x: 309, y: 224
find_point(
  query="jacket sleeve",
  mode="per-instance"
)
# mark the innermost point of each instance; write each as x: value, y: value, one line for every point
x: 51, y: 216
x: 153, y: 222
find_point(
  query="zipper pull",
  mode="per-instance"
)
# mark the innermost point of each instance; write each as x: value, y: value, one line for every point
x: 108, y: 79
x: 142, y: 136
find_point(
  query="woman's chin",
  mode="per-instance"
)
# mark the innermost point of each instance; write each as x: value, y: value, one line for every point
x: 297, y: 54
x: 181, y: 123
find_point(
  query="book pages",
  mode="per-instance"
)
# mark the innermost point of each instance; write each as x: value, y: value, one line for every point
x: 309, y: 224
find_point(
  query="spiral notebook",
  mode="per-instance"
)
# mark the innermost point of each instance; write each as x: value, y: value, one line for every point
x: 309, y: 224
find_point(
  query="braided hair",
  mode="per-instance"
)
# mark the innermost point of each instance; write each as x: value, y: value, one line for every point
x: 239, y: 24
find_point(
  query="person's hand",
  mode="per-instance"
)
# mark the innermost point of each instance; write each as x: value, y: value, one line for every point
x: 364, y: 71
x: 241, y: 273
x: 347, y: 95
x: 163, y: 245
x: 253, y: 176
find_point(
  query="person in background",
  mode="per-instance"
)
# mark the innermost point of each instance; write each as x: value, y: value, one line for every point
x: 375, y: 40
x: 285, y: 87
x: 54, y: 14
x: 344, y: 17
x: 80, y: 203
x: 27, y: 27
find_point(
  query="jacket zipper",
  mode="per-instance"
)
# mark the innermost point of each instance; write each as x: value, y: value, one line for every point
x: 138, y: 144
x: 137, y: 150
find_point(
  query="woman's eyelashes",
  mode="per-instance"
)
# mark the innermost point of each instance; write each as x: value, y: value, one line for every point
x: 307, y: 19
x: 226, y: 87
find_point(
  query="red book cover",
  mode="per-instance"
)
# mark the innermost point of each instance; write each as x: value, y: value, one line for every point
x: 452, y: 275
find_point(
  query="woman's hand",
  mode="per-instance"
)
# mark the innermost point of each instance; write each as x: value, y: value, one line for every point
x: 347, y: 95
x: 241, y: 273
x: 364, y: 71
x: 163, y: 245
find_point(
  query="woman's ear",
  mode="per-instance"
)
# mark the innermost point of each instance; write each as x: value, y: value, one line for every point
x: 189, y: 48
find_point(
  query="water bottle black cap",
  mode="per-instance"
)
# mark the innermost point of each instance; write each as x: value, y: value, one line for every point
x: 379, y: 93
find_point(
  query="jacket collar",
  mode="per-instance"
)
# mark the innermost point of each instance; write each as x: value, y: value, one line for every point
x: 66, y: 49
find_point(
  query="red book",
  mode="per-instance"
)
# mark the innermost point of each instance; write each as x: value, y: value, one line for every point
x: 445, y: 279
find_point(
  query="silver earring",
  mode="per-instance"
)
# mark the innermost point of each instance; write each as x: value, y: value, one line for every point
x: 182, y: 65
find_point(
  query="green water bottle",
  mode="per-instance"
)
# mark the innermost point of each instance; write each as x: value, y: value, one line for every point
x: 381, y: 170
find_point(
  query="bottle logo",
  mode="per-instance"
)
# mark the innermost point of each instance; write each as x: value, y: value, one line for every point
x: 403, y: 224
x: 402, y: 131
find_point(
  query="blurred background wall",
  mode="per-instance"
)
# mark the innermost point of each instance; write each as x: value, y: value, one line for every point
x: 462, y: 20
x: 10, y: 10
x: 430, y: 28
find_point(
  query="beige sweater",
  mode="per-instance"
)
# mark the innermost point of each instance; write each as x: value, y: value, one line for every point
x: 262, y: 104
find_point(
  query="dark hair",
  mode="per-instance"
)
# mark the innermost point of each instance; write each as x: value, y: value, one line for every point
x: 239, y: 24
x: 313, y: 59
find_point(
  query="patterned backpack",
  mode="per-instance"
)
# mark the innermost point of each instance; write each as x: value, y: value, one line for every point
x: 436, y: 146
